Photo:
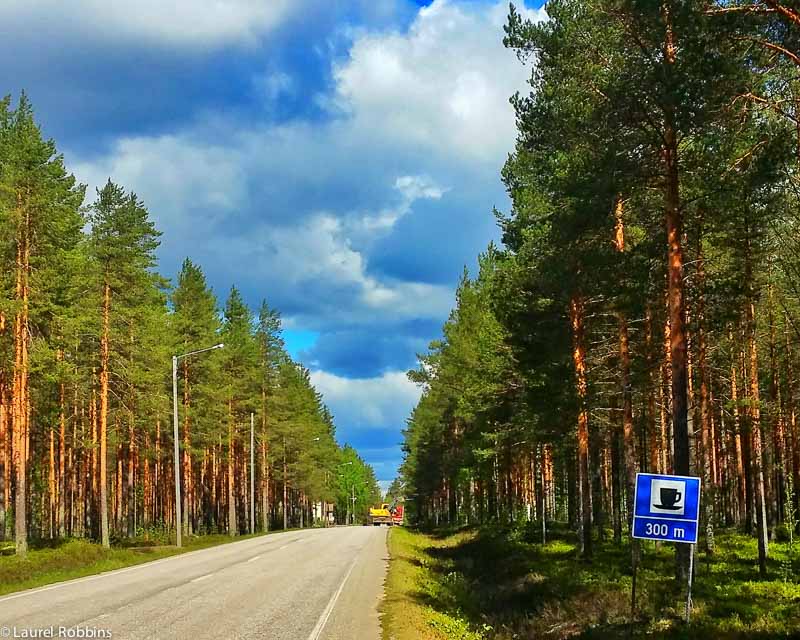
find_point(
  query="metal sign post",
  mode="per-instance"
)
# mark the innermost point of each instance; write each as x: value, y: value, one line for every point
x: 668, y: 508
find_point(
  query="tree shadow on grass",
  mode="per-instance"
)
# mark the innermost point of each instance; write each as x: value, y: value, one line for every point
x: 522, y: 590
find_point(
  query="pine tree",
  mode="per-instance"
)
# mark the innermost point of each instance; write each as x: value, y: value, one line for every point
x: 122, y: 245
x: 39, y: 205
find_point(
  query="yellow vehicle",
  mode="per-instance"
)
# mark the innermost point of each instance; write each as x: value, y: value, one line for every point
x: 388, y: 514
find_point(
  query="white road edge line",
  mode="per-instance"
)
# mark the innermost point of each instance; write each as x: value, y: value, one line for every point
x: 143, y: 565
x: 253, y: 559
x: 208, y: 575
x: 323, y: 619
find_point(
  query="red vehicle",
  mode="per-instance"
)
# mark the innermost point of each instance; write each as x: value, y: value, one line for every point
x: 397, y: 514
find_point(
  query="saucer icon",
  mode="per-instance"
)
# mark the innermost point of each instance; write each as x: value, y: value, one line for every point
x: 667, y: 496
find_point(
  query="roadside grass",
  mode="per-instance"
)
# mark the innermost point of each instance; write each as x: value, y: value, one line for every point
x: 75, y: 558
x: 412, y: 583
x: 498, y: 584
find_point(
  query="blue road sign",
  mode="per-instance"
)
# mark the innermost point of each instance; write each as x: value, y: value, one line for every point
x: 666, y: 508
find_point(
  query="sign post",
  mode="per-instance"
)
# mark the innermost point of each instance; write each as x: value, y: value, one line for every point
x: 668, y: 508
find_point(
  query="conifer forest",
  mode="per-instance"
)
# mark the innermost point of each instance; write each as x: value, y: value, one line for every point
x: 642, y: 312
x: 88, y: 329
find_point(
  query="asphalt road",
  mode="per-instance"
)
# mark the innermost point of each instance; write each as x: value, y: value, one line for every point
x: 317, y: 584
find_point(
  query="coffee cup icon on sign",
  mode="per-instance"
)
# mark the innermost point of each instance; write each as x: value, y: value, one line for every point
x: 667, y: 496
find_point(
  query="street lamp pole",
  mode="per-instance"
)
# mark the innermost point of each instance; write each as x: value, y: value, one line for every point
x: 176, y: 440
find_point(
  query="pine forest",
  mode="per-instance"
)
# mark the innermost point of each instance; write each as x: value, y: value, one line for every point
x: 642, y: 313
x: 88, y: 329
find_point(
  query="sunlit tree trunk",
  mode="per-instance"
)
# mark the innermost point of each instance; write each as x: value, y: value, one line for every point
x: 232, y: 522
x: 264, y: 468
x: 188, y: 481
x: 62, y: 427
x: 103, y: 422
x: 51, y: 482
x: 625, y: 384
x: 19, y: 415
x: 5, y: 445
x: 579, y: 361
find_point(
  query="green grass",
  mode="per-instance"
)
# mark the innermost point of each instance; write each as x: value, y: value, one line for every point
x: 69, y: 559
x: 497, y: 584
x: 411, y: 584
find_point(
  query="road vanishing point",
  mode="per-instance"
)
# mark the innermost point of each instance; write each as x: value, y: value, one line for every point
x: 314, y: 584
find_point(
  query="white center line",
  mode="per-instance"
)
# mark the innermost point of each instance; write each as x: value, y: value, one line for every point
x: 323, y: 619
x: 254, y: 559
x: 208, y: 575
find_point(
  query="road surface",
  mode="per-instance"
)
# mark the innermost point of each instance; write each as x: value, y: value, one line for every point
x: 317, y: 584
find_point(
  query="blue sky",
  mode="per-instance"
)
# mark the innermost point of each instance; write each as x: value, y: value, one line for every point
x: 339, y: 158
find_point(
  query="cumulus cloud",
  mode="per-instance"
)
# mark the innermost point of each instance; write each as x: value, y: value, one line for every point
x: 411, y: 189
x: 177, y: 175
x: 444, y: 84
x: 182, y: 23
x: 316, y: 255
x: 383, y: 402
x: 355, y: 220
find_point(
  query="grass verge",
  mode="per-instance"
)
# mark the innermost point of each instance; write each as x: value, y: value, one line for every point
x: 493, y: 584
x: 77, y: 558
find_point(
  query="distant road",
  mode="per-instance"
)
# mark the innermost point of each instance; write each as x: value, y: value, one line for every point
x: 317, y: 584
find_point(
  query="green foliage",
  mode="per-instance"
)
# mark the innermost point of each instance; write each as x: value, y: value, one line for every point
x: 481, y: 582
x: 82, y: 261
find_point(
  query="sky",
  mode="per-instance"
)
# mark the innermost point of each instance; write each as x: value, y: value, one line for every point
x: 339, y: 158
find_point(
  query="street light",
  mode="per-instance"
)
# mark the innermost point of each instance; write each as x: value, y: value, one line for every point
x: 176, y: 437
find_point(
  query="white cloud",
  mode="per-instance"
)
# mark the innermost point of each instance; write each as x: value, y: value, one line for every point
x: 183, y: 23
x: 175, y: 174
x: 414, y: 110
x: 368, y: 403
x: 411, y: 189
x: 318, y: 254
x: 443, y: 85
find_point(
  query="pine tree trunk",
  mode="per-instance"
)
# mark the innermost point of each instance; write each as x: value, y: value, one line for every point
x: 584, y: 481
x: 756, y: 459
x: 158, y: 490
x: 19, y: 414
x: 188, y: 483
x: 130, y: 488
x: 264, y: 488
x: 625, y: 383
x: 62, y: 427
x: 5, y: 449
x: 285, y: 488
x: 778, y: 443
x: 103, y: 422
x: 742, y: 510
x: 232, y: 522
x: 94, y: 484
x: 794, y: 438
x: 653, y: 435
x: 677, y: 311
x: 704, y: 409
